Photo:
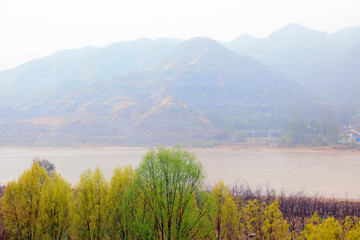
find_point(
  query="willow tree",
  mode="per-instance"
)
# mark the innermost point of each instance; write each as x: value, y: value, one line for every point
x: 22, y: 203
x: 118, y: 218
x: 56, y: 208
x: 90, y: 214
x: 169, y: 185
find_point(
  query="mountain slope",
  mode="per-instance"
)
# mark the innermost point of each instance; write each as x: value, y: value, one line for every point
x: 242, y: 43
x: 203, y: 73
x: 70, y: 70
x: 299, y: 53
x: 200, y: 77
x: 341, y: 83
x: 347, y: 37
x: 199, y: 87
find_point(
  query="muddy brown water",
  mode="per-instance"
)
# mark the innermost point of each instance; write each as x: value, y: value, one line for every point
x: 328, y: 173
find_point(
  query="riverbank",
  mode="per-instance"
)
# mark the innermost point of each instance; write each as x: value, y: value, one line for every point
x: 333, y: 148
x: 326, y: 171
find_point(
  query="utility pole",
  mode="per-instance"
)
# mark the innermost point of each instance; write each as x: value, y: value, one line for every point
x: 269, y: 137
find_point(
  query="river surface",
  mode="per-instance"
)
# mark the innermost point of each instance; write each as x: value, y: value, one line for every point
x: 330, y: 174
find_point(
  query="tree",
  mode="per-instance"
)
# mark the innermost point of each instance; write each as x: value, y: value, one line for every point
x: 352, y: 227
x: 300, y: 132
x: 226, y: 214
x: 90, y: 205
x: 46, y: 164
x: 22, y: 203
x: 253, y: 217
x: 274, y: 226
x: 4, y: 233
x: 117, y: 203
x: 168, y: 184
x: 318, y: 229
x: 56, y: 208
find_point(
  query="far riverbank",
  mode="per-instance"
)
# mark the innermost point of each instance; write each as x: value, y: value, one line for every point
x: 329, y: 172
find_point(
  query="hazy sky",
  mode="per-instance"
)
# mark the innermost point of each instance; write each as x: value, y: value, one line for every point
x: 35, y: 28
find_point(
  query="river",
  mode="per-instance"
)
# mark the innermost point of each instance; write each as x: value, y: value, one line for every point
x: 328, y: 173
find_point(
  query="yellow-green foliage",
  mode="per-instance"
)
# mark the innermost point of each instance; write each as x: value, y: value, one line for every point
x: 352, y: 228
x: 266, y: 221
x: 274, y: 226
x: 253, y: 217
x: 169, y: 184
x: 117, y: 224
x: 163, y: 199
x: 328, y: 229
x: 22, y: 203
x: 56, y: 204
x: 332, y: 229
x: 90, y: 215
x: 226, y: 217
x: 230, y: 219
x: 4, y: 234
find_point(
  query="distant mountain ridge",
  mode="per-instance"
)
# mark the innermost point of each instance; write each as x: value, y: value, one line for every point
x: 73, y: 69
x: 200, y: 76
x: 299, y: 53
x: 168, y: 91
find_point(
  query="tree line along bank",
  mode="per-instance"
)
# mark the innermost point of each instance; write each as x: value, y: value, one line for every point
x: 164, y: 198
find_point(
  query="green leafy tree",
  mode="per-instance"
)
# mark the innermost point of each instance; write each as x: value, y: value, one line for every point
x: 118, y: 201
x: 169, y: 184
x: 297, y: 133
x: 91, y: 194
x: 301, y: 132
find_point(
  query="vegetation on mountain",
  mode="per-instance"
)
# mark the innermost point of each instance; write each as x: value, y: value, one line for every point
x: 301, y: 132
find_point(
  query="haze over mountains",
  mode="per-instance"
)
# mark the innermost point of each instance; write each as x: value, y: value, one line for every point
x: 168, y: 90
x: 300, y: 53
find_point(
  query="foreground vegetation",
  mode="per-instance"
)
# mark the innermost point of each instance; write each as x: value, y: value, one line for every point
x: 164, y: 198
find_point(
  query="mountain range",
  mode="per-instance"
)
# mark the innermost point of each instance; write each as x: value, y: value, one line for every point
x: 301, y: 54
x: 166, y: 91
